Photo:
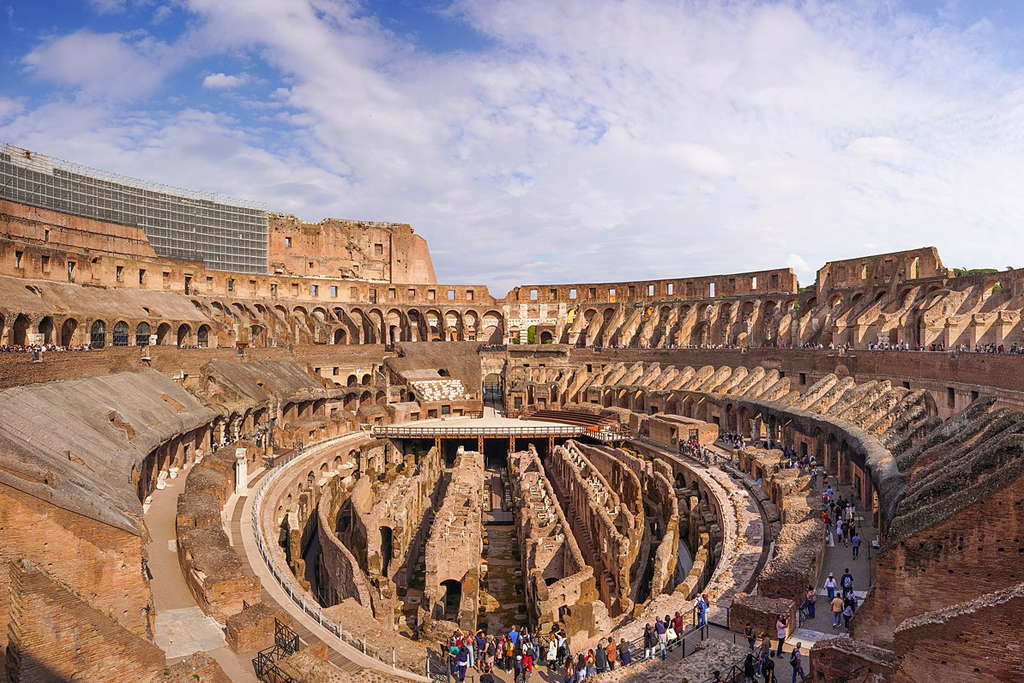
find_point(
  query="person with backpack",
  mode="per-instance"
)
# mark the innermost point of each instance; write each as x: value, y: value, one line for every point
x: 768, y: 668
x: 846, y: 583
x: 796, y: 661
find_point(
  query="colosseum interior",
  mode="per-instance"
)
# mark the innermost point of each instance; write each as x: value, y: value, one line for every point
x: 318, y: 463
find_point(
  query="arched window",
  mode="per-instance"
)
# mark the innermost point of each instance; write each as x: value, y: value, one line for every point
x: 121, y: 333
x: 98, y: 335
x: 203, y: 336
x: 142, y: 333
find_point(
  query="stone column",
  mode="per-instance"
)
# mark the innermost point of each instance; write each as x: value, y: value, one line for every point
x: 241, y: 472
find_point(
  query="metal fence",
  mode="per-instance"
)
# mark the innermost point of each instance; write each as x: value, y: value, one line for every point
x: 286, y: 580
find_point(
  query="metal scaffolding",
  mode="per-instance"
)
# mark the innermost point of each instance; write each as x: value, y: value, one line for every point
x: 223, y: 233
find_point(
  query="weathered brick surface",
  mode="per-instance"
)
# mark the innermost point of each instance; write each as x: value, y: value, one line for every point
x: 761, y: 613
x: 57, y: 636
x: 96, y: 561
x: 253, y: 628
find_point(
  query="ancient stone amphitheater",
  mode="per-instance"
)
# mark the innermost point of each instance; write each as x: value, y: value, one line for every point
x: 236, y: 446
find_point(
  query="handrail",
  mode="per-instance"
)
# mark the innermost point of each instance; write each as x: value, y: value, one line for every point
x: 286, y: 580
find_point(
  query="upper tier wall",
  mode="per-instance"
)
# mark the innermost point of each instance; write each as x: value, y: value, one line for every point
x: 777, y: 281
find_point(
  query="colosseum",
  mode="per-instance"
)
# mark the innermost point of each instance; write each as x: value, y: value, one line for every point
x: 235, y: 446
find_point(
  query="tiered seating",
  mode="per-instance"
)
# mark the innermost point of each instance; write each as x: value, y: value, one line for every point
x: 440, y: 390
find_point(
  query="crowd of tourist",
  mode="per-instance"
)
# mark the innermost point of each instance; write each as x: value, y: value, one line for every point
x: 701, y: 453
x: 42, y: 348
x: 521, y: 651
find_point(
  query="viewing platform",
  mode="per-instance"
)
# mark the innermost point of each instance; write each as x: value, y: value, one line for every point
x: 494, y: 427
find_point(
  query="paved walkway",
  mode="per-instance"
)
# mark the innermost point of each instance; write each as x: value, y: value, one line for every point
x: 181, y: 626
x: 837, y: 559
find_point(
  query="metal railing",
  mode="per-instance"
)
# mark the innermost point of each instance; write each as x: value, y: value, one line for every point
x: 286, y: 580
x: 389, y: 432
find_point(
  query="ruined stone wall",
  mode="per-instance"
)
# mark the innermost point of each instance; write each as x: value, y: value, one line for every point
x: 627, y: 485
x: 391, y: 509
x: 455, y: 544
x: 603, y: 520
x: 969, y: 641
x: 559, y: 584
x: 339, y: 574
x: 351, y: 250
x: 209, y: 564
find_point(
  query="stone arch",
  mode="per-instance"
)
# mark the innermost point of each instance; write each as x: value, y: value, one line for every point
x: 142, y: 333
x: 67, y: 331
x: 184, y: 335
x: 203, y: 336
x: 45, y: 329
x: 98, y: 334
x: 19, y: 333
x: 120, y: 334
x: 163, y: 333
x: 397, y: 330
x: 492, y: 332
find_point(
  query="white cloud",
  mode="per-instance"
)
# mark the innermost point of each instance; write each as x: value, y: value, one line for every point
x: 220, y: 81
x: 593, y: 140
x: 102, y: 64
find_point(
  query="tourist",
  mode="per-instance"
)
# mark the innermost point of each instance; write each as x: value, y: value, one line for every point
x: 749, y: 668
x: 591, y: 664
x: 846, y: 582
x: 552, y: 656
x: 570, y: 673
x: 467, y: 644
x: 517, y: 669
x: 492, y: 650
x: 677, y: 624
x: 837, y: 611
x: 809, y: 601
x: 748, y: 632
x: 796, y: 662
x: 781, y: 630
x: 716, y: 676
x: 848, y: 608
x: 625, y: 656
x: 527, y: 643
x: 650, y: 641
x: 830, y: 586
x: 768, y: 668
x: 659, y: 628
x: 462, y: 663
x: 581, y: 667
x: 765, y: 649
x: 855, y: 543
x: 612, y: 651
x: 702, y: 611
x: 600, y: 658
x: 480, y: 650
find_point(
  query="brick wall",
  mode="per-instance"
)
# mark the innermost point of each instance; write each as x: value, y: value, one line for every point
x: 976, y: 551
x: 96, y: 561
x: 57, y: 636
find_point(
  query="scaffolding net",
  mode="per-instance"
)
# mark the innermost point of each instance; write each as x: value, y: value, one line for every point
x: 223, y: 233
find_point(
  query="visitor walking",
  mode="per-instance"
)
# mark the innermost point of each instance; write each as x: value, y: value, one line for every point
x: 830, y: 586
x: 796, y: 662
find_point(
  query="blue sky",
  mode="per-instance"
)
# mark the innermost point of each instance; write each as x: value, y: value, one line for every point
x: 533, y: 141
